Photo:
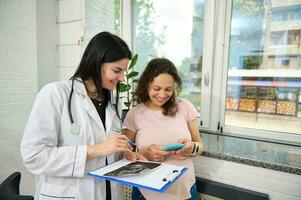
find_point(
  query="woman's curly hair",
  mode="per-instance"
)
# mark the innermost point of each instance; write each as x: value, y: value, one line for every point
x: 153, y: 69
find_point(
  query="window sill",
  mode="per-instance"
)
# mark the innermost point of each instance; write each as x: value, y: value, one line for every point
x: 279, y: 157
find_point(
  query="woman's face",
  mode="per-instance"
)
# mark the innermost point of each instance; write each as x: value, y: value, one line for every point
x: 112, y: 73
x: 160, y: 90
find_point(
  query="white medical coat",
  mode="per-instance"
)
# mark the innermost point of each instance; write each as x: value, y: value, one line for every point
x: 50, y: 149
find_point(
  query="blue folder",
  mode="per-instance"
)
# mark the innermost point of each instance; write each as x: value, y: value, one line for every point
x: 159, y: 179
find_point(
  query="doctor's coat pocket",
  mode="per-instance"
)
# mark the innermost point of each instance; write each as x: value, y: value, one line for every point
x: 57, y: 192
x: 66, y: 137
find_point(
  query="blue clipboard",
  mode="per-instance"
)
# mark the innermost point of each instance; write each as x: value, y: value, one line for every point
x: 159, y: 179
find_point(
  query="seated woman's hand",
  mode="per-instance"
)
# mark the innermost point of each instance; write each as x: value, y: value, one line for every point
x: 154, y: 153
x: 186, y: 151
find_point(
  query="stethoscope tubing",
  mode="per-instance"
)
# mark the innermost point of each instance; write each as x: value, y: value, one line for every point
x: 69, y: 103
x: 74, y: 128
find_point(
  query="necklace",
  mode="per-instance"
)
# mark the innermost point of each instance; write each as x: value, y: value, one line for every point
x: 98, y: 103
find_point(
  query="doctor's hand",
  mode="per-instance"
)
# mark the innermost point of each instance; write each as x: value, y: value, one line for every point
x: 154, y: 153
x: 186, y: 151
x: 113, y: 144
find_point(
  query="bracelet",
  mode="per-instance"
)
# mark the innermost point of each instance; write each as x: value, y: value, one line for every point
x: 196, y: 149
x: 193, y: 151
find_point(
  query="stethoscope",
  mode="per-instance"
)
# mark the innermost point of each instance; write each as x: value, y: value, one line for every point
x: 74, y: 128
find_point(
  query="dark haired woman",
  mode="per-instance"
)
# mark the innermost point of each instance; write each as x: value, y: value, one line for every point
x: 73, y: 126
x: 160, y: 119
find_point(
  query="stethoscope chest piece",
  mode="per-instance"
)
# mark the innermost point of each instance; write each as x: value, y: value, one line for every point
x: 75, y: 129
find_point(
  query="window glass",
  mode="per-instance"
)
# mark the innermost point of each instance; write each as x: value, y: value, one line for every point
x: 101, y: 16
x: 117, y: 17
x: 174, y: 30
x: 264, y: 67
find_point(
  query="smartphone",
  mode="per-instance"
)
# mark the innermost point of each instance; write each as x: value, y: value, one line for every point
x: 172, y: 147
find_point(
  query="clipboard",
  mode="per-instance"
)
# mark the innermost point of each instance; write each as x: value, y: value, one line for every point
x: 158, y: 179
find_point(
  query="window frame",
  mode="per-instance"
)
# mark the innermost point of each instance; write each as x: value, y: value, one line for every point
x: 127, y: 25
x: 207, y: 65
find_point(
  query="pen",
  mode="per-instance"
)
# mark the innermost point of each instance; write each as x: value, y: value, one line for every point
x: 132, y: 143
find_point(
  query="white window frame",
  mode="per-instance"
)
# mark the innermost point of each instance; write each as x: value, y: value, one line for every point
x: 126, y: 25
x: 207, y: 67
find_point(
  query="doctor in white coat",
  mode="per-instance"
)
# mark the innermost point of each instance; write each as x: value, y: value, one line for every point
x: 74, y: 126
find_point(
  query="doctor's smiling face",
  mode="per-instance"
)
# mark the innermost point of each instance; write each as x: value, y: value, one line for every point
x: 112, y: 73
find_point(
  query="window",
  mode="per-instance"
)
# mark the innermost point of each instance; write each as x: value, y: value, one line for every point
x: 101, y: 16
x: 117, y: 15
x: 263, y: 68
x: 240, y: 61
x: 178, y: 36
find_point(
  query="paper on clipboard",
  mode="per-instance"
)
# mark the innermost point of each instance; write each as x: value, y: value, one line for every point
x: 158, y: 179
x: 131, y: 169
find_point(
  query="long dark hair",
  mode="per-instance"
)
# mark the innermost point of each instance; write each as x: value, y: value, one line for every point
x: 153, y: 69
x: 103, y: 47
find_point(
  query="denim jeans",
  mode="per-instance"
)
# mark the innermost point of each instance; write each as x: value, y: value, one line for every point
x: 136, y: 194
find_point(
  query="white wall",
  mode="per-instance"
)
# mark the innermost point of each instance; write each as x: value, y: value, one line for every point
x: 278, y: 185
x: 47, y: 36
x: 70, y: 31
x: 18, y: 82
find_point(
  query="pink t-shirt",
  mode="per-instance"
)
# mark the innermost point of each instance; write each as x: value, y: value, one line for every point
x: 152, y: 127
